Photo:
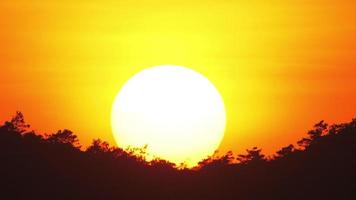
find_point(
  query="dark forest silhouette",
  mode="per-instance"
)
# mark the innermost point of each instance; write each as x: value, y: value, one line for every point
x: 54, y: 166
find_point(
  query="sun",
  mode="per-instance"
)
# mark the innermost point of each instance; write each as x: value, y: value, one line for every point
x: 175, y: 111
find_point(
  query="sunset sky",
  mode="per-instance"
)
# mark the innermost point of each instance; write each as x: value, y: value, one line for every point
x: 280, y: 66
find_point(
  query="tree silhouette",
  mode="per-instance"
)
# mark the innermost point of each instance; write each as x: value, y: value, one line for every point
x: 98, y: 147
x: 285, y: 151
x: 253, y: 156
x: 33, y: 166
x: 16, y: 125
x: 314, y: 134
x: 216, y: 161
x: 64, y: 137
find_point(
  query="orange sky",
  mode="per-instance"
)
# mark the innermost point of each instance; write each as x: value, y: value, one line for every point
x: 280, y: 65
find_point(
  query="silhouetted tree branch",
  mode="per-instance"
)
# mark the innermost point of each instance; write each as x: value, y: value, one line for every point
x: 17, y: 124
x: 314, y: 134
x: 64, y: 137
x: 98, y: 147
x: 285, y: 151
x: 253, y: 156
x: 216, y: 161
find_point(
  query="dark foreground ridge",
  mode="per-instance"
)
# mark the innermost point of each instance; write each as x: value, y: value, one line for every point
x: 323, y: 166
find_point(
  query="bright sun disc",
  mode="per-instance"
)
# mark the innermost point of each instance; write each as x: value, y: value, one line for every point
x: 175, y: 111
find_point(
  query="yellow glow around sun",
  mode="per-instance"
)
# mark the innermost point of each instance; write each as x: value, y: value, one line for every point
x: 176, y: 111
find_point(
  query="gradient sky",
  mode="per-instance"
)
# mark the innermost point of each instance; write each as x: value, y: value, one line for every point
x: 281, y: 66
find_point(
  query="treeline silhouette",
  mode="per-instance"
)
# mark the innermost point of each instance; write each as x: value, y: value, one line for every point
x: 54, y: 166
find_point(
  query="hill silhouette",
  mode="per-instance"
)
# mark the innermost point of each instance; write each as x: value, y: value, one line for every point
x: 54, y: 166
